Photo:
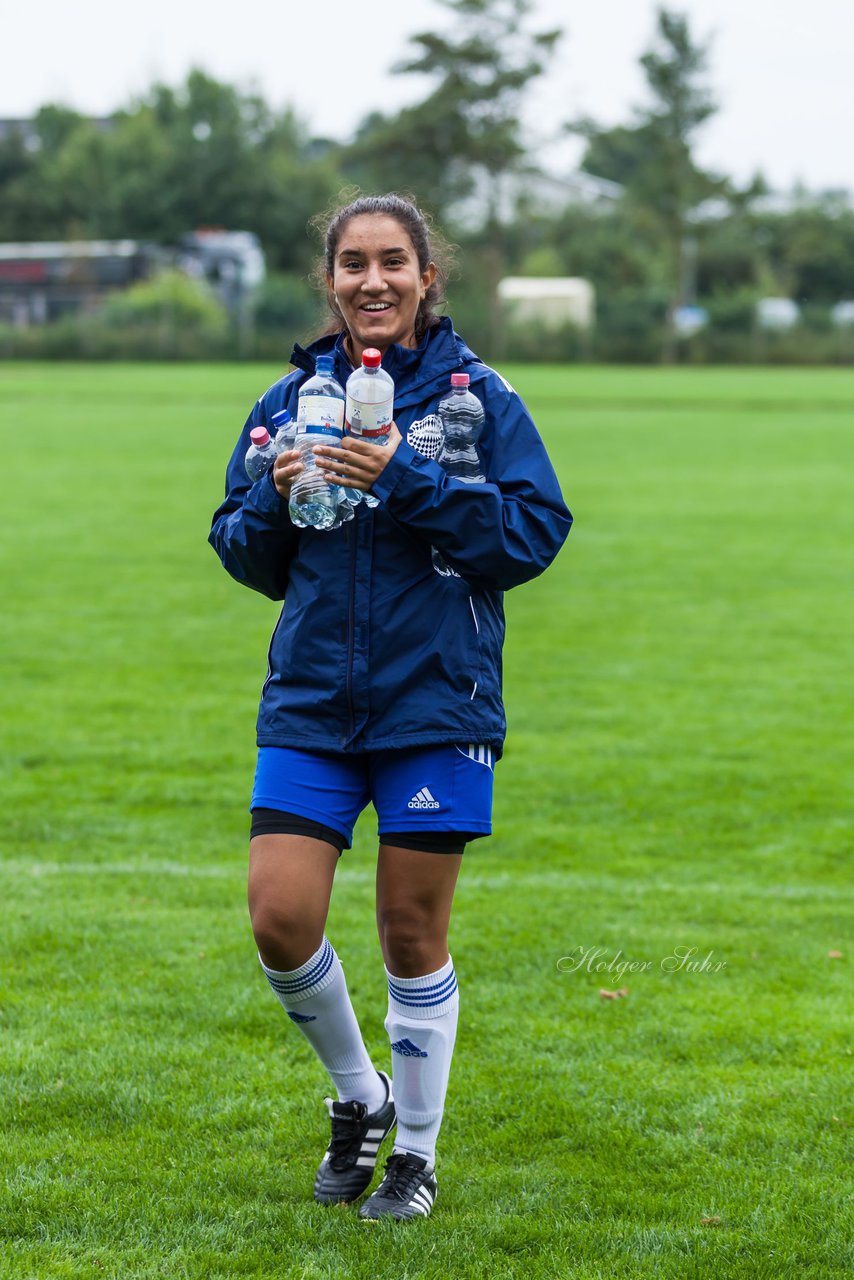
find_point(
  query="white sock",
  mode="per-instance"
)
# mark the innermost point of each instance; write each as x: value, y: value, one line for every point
x: 422, y: 1028
x: 316, y: 998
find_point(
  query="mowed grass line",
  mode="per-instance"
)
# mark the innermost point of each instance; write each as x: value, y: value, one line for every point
x: 677, y: 775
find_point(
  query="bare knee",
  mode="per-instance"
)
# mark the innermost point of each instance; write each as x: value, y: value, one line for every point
x: 284, y: 940
x: 412, y: 941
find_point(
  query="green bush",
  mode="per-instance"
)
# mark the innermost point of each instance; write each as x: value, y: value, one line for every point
x: 286, y: 305
x: 470, y: 306
x: 61, y: 340
x: 732, y: 312
x: 631, y: 326
x: 175, y: 318
x: 799, y: 346
x: 817, y: 318
x: 169, y: 317
x: 170, y: 306
x: 536, y: 342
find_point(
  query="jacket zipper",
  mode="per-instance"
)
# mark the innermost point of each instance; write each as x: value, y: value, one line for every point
x: 351, y: 637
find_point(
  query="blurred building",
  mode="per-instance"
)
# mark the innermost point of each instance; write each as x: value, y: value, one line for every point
x: 45, y: 280
x: 530, y: 187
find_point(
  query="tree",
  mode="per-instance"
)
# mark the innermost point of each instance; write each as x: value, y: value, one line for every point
x: 466, y: 135
x: 209, y: 155
x: 52, y: 183
x: 467, y: 131
x: 653, y: 157
x: 203, y: 154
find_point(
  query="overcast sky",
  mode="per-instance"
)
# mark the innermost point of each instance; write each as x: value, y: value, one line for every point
x: 780, y: 69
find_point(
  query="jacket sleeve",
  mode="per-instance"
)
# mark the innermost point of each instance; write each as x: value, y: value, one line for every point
x: 497, y: 534
x: 251, y: 531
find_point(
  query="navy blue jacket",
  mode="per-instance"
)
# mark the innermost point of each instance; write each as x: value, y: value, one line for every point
x: 373, y: 648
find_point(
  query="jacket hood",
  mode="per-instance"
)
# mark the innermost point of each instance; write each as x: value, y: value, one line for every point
x: 440, y: 353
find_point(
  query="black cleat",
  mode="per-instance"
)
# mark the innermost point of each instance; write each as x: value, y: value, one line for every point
x: 351, y: 1157
x: 408, y: 1189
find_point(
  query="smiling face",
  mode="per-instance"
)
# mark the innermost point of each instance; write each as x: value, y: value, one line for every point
x: 378, y: 282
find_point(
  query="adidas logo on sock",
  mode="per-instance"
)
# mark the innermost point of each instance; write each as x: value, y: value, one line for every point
x: 407, y: 1049
x: 423, y: 800
x: 301, y: 1017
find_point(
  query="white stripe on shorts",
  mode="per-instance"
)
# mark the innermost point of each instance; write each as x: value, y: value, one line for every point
x: 480, y: 754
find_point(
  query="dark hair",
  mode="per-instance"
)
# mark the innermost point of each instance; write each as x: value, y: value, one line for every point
x: 428, y: 243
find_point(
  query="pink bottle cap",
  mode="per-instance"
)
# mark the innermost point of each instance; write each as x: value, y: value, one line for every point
x: 459, y: 379
x: 259, y: 436
x: 371, y: 358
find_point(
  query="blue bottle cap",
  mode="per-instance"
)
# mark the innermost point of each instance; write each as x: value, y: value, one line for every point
x: 324, y: 364
x: 281, y: 418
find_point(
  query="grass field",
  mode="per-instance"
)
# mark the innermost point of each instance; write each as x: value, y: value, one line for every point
x: 677, y: 775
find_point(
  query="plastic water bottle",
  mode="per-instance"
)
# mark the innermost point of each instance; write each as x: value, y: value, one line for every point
x: 284, y: 430
x: 370, y: 406
x: 261, y: 454
x: 285, y: 440
x: 461, y: 417
x: 320, y: 420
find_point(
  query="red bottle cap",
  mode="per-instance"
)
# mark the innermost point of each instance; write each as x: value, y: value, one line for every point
x: 371, y: 358
x: 459, y: 379
x: 259, y: 436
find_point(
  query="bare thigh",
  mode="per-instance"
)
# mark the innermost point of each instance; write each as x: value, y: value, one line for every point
x: 290, y: 884
x: 415, y: 893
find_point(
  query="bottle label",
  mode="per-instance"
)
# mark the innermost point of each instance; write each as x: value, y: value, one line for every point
x: 368, y: 421
x: 320, y: 416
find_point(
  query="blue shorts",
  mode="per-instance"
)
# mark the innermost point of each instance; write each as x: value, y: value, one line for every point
x: 419, y: 790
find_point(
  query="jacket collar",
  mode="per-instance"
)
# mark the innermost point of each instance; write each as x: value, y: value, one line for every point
x: 439, y: 353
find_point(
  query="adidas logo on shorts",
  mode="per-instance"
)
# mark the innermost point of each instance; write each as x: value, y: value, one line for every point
x: 423, y: 800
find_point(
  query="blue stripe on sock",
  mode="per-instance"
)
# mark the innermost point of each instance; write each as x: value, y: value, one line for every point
x: 320, y: 963
x: 434, y: 986
x: 310, y: 980
x: 396, y: 984
x: 434, y: 994
x: 425, y: 1004
x: 290, y: 986
x: 423, y: 993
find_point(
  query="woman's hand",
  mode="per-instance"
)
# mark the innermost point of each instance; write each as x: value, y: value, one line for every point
x: 356, y: 464
x: 286, y: 468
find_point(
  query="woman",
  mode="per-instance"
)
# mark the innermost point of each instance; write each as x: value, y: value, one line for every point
x: 384, y: 685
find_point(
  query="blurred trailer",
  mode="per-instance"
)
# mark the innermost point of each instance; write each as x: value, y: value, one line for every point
x: 45, y: 280
x: 551, y: 302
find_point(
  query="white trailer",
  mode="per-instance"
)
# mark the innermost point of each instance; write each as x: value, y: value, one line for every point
x: 550, y: 301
